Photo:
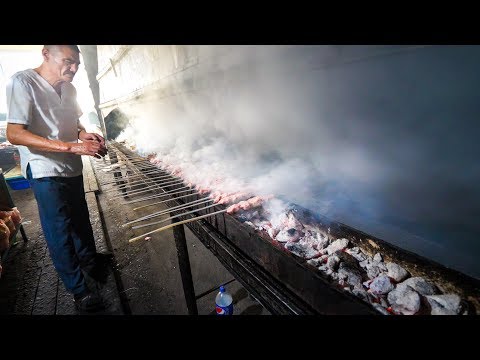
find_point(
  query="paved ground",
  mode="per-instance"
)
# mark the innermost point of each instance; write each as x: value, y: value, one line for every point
x: 145, y: 279
x: 29, y: 283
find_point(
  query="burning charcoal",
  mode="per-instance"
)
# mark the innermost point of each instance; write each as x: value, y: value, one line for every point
x: 348, y: 259
x: 381, y: 285
x: 377, y: 257
x: 381, y: 309
x: 367, y: 283
x: 421, y: 286
x: 314, y: 262
x: 334, y: 276
x: 383, y: 302
x: 242, y: 217
x: 285, y: 235
x: 354, y: 250
x: 396, y: 272
x: 272, y: 232
x: 323, y: 268
x: 353, y: 276
x: 377, y: 264
x: 404, y: 300
x: 356, y: 254
x: 339, y: 244
x: 449, y: 304
x: 333, y: 262
x: 373, y: 272
x: 342, y: 275
x: 322, y: 241
x: 292, y: 222
x: 317, y: 240
x: 262, y: 225
x: 362, y: 294
x: 363, y: 264
x: 301, y: 250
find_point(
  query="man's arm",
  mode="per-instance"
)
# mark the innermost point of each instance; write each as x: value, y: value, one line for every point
x: 18, y: 134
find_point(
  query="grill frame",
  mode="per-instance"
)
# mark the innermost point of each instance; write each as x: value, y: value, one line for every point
x: 281, y: 281
x: 285, y: 283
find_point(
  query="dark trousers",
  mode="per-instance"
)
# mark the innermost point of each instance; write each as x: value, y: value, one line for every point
x: 66, y: 226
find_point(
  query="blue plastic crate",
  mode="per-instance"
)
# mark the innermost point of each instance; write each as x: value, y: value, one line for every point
x: 18, y: 183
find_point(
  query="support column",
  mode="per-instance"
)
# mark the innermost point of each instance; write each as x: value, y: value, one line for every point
x: 184, y: 265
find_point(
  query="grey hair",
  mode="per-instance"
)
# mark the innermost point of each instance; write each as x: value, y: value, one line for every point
x: 53, y: 47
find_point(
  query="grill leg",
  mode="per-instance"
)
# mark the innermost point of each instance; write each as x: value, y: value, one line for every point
x: 184, y: 265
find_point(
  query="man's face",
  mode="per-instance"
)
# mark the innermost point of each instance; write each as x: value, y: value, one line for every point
x: 63, y: 62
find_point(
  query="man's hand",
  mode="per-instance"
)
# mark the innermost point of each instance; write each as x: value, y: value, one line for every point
x: 83, y: 135
x: 87, y: 138
x: 89, y: 147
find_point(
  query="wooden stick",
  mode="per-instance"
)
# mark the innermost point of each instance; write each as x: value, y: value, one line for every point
x: 175, y: 224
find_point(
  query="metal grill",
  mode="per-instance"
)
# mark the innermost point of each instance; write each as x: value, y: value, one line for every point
x: 281, y: 281
x: 276, y: 278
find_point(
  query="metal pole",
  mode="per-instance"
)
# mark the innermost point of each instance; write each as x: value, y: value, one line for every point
x: 184, y: 265
x: 89, y: 54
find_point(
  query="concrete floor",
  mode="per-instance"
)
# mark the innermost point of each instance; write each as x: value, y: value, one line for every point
x: 144, y: 281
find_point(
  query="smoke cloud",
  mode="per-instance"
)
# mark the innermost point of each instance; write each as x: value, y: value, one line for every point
x: 383, y: 142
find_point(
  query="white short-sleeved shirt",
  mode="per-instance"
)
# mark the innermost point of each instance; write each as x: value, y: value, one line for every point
x: 32, y: 101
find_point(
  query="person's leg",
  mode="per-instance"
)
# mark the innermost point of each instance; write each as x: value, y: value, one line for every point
x: 91, y: 262
x: 83, y: 239
x: 56, y: 219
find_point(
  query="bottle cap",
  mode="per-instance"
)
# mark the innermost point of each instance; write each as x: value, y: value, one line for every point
x: 222, y: 289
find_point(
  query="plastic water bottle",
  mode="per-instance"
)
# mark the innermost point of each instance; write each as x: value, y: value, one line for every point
x: 224, y: 302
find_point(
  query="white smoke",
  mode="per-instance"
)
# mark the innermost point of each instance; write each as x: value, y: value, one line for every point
x: 255, y: 123
x: 354, y: 142
x: 257, y: 128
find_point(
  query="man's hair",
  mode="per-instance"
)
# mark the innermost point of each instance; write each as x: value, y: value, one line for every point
x: 52, y: 47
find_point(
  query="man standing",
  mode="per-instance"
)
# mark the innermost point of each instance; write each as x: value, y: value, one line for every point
x: 43, y: 119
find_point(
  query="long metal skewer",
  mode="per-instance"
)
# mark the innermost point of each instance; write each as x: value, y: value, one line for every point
x: 156, y: 196
x: 175, y: 224
x: 134, y: 176
x: 162, y: 212
x: 138, y: 182
x: 152, y: 187
x: 173, y: 217
x: 158, y: 213
x: 165, y: 194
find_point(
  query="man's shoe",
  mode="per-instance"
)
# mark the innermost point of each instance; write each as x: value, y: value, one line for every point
x: 89, y: 303
x: 104, y: 258
x: 99, y: 269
